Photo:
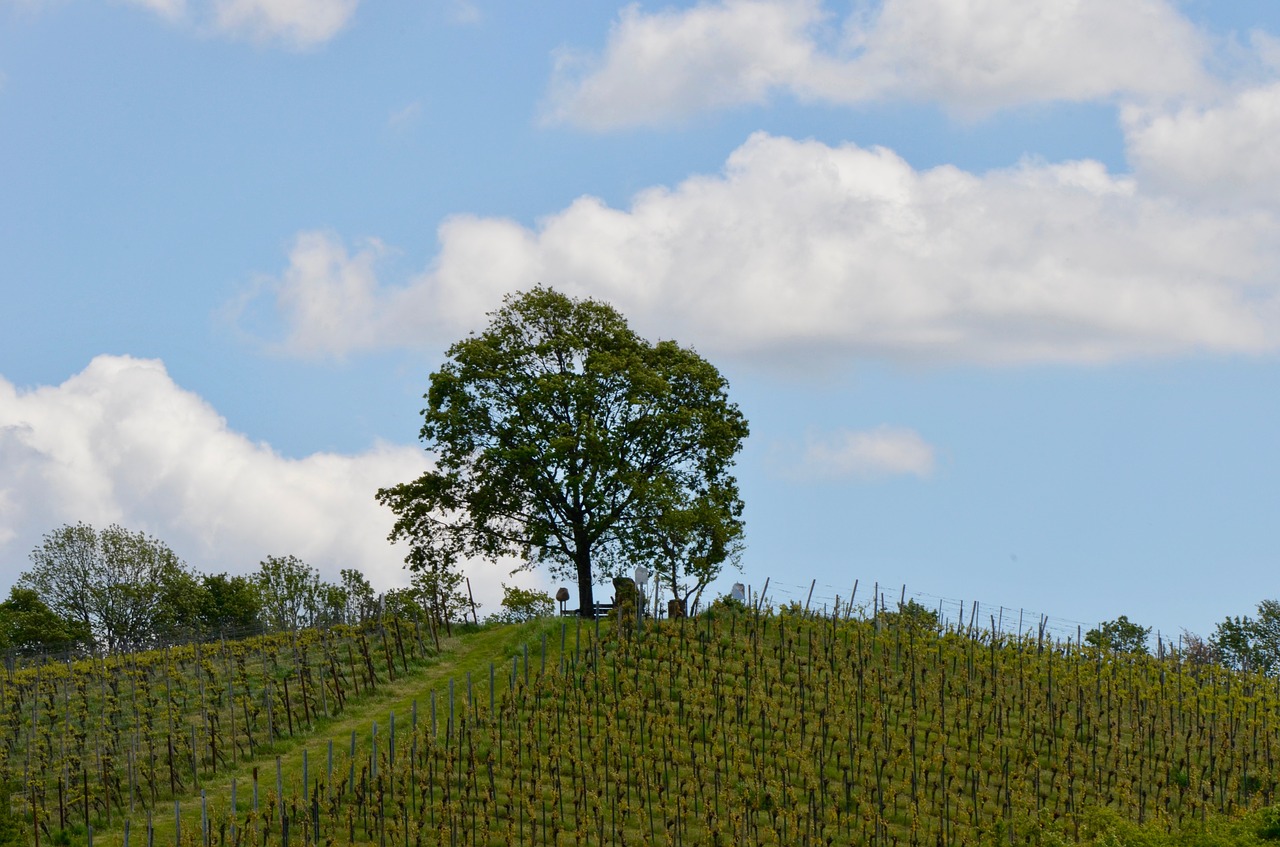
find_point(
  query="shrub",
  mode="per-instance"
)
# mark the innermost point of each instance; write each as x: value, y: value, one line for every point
x: 523, y: 604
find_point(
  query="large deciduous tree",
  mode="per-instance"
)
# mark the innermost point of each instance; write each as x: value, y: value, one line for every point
x: 558, y: 434
x: 124, y: 587
x: 292, y: 594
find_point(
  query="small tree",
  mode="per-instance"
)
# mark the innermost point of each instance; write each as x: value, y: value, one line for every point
x: 438, y: 584
x: 403, y: 603
x: 691, y: 538
x: 290, y: 590
x: 1250, y: 644
x: 1196, y: 651
x: 360, y: 599
x: 229, y: 603
x: 1119, y: 636
x: 1266, y: 636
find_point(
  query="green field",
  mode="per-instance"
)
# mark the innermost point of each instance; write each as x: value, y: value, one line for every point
x: 729, y: 728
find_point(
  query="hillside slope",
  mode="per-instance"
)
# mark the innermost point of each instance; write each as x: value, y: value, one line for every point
x: 779, y: 729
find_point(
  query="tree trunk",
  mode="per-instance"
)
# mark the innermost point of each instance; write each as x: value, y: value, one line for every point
x: 586, y: 600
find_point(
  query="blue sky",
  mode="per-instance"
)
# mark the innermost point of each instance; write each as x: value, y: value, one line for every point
x: 995, y: 283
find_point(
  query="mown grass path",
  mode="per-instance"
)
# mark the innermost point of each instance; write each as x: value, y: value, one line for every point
x: 470, y: 651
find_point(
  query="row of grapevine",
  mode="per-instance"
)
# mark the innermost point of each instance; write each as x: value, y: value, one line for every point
x: 786, y: 730
x: 90, y: 741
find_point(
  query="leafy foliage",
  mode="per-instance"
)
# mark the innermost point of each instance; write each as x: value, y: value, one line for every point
x: 437, y: 586
x: 291, y: 591
x: 361, y: 604
x: 228, y: 603
x: 691, y: 539
x: 12, y: 831
x: 126, y: 588
x: 524, y: 604
x: 1249, y: 643
x: 1119, y: 636
x: 558, y: 433
x: 913, y: 616
x: 91, y: 740
x: 28, y: 624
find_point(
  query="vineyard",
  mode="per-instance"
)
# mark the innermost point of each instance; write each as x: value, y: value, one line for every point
x: 728, y: 728
x: 94, y: 741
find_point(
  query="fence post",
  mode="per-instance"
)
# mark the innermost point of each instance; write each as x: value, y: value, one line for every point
x: 280, y: 789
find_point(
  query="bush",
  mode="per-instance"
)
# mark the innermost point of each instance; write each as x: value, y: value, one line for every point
x: 13, y: 830
x: 523, y: 604
x: 1119, y: 636
x: 726, y: 605
x: 912, y: 616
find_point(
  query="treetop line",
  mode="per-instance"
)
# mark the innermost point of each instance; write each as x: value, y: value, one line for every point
x: 563, y: 438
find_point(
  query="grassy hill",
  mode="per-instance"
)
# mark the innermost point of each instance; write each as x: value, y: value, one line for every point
x: 729, y: 728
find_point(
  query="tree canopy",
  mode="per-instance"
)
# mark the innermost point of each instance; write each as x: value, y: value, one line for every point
x: 27, y: 623
x: 1250, y: 643
x: 1119, y: 636
x: 559, y: 434
x: 124, y: 588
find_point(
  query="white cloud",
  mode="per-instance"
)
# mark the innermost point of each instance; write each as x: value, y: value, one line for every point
x: 801, y: 249
x: 862, y: 454
x: 121, y: 442
x: 405, y: 115
x: 297, y: 24
x: 972, y: 56
x: 328, y: 293
x: 1222, y: 153
x: 300, y: 23
x: 671, y: 64
x: 465, y: 12
x: 172, y: 10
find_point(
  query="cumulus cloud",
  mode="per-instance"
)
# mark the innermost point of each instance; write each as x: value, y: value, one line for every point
x: 862, y: 454
x: 1222, y: 153
x: 121, y: 442
x: 972, y: 56
x: 799, y: 248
